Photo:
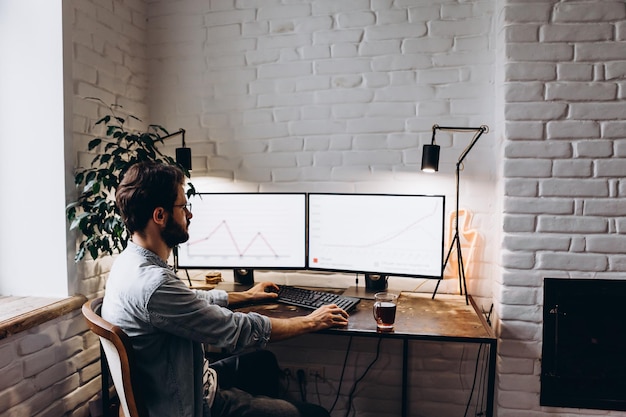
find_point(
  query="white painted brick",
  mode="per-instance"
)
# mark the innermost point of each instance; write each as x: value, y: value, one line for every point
x: 385, y: 17
x: 571, y: 129
x: 373, y: 125
x: 377, y: 48
x: 592, y: 32
x: 530, y: 71
x: 535, y: 111
x: 573, y: 188
x: 347, y: 81
x: 426, y: 45
x: 274, y: 100
x: 355, y: 19
x: 343, y: 50
x: 314, y: 127
x: 610, y: 168
x: 282, y: 70
x: 400, y: 63
x: 542, y: 149
x: 518, y: 260
x: 573, y: 169
x: 593, y: 149
x: 570, y: 71
x: 524, y: 130
x: 325, y: 7
x: 340, y: 142
x: 423, y: 12
x: 342, y: 66
x: 329, y: 37
x: 589, y: 12
x: 283, y: 11
x: 262, y: 131
x: 351, y: 95
x: 541, y: 206
x: 404, y: 93
x: 395, y: 31
x: 591, y: 51
x: 513, y: 224
x: 519, y: 296
x: 522, y: 33
x: 466, y: 27
x: 581, y: 91
x: 539, y: 52
x: 290, y: 144
x: 576, y: 224
x: 520, y: 187
x: 227, y: 17
x: 11, y: 376
x: 606, y: 244
x: 523, y: 13
x: 387, y: 157
x: 529, y: 242
x: 605, y: 207
x: 614, y: 129
x: 286, y: 114
x: 572, y: 262
x: 597, y: 111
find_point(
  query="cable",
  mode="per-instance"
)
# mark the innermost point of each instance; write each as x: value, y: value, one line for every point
x: 469, y: 401
x: 302, y: 384
x: 343, y: 370
x: 350, y: 396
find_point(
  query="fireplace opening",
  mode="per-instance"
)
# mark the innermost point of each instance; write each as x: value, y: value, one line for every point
x: 584, y: 344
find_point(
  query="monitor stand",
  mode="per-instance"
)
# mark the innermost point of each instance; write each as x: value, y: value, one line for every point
x: 373, y: 283
x: 244, y: 276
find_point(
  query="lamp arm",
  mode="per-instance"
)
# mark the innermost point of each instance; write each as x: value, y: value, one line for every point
x: 479, y: 130
x: 181, y: 131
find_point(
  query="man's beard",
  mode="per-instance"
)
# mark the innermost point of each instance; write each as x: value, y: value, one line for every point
x: 174, y: 233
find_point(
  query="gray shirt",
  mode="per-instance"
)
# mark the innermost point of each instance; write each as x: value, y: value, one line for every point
x: 168, y: 323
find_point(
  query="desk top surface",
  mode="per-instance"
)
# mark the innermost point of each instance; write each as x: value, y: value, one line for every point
x: 418, y: 317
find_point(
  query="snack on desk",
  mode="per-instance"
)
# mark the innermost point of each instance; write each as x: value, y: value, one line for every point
x: 213, y: 278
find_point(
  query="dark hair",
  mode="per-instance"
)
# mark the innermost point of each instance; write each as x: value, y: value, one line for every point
x: 144, y: 187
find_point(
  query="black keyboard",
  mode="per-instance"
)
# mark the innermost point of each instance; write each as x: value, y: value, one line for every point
x: 313, y: 299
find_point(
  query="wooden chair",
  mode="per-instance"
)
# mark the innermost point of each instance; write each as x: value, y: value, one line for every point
x: 119, y: 356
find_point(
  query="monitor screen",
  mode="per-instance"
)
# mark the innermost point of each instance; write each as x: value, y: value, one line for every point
x: 399, y: 235
x: 246, y: 230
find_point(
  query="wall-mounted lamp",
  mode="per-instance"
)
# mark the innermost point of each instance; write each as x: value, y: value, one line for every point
x: 183, y: 154
x: 430, y: 163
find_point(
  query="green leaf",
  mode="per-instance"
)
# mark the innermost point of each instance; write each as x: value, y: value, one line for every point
x: 94, y: 143
x: 105, y: 119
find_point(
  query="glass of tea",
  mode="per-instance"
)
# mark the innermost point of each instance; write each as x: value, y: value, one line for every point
x: 385, y: 310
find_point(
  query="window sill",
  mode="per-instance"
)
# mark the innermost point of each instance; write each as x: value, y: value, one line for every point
x: 39, y: 311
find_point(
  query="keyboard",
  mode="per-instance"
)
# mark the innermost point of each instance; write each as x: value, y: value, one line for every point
x: 313, y: 299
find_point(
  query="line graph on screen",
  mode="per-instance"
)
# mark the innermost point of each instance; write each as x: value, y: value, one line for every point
x: 246, y: 230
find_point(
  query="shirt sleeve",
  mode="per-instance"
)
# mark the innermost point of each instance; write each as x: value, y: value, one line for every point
x: 201, y: 316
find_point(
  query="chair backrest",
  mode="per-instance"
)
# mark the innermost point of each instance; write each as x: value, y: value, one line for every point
x: 120, y: 357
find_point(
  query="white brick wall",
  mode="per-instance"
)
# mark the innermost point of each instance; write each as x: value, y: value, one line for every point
x: 562, y: 174
x: 339, y: 96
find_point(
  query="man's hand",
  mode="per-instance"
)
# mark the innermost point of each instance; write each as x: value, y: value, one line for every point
x: 262, y: 291
x: 323, y: 318
x: 328, y: 316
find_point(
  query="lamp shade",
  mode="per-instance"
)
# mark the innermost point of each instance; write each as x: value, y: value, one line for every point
x: 430, y: 158
x: 183, y: 157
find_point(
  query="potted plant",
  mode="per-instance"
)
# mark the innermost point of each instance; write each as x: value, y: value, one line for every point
x: 94, y: 214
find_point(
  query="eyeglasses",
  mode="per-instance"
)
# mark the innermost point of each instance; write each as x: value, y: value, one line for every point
x: 186, y: 206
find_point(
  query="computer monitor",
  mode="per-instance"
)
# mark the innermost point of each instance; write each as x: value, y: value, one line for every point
x: 398, y: 235
x: 246, y: 230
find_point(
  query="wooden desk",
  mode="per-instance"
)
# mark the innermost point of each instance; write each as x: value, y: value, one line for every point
x: 447, y: 318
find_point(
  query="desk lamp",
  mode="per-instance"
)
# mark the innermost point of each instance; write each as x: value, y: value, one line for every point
x: 183, y: 154
x: 430, y: 163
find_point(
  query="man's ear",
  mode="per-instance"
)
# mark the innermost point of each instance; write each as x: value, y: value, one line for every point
x: 159, y: 216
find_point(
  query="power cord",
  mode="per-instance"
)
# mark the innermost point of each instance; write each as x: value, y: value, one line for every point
x: 302, y: 384
x: 343, y: 370
x: 350, y: 396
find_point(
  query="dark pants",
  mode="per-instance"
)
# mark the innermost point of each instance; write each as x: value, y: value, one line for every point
x: 249, y: 386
